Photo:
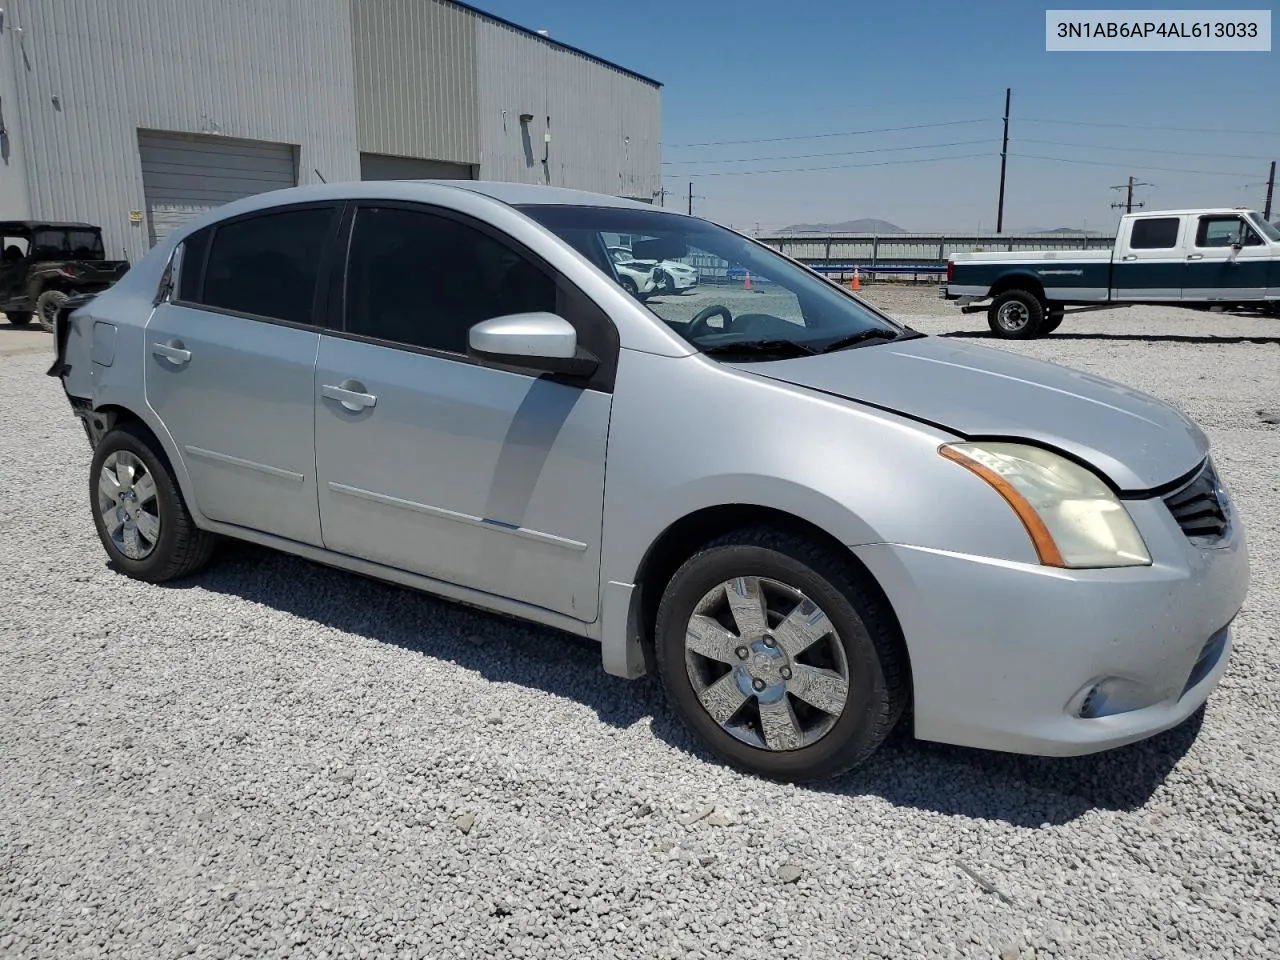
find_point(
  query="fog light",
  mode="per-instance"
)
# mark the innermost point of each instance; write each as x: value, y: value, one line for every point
x: 1110, y: 696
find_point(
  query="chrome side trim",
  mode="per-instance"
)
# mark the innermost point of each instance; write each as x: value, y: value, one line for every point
x: 488, y: 524
x: 231, y: 461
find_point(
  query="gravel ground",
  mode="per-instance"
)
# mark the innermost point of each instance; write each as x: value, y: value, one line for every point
x: 275, y: 759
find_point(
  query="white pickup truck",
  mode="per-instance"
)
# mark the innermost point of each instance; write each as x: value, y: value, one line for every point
x: 1195, y: 258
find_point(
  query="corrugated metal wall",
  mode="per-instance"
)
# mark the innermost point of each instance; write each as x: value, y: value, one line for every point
x: 415, y: 73
x: 604, y: 123
x: 90, y: 74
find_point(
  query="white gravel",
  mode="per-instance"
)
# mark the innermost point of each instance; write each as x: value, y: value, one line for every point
x: 275, y: 759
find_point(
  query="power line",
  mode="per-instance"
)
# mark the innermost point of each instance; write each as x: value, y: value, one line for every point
x: 836, y: 153
x: 790, y: 110
x: 1175, y: 153
x: 1138, y: 126
x: 838, y: 166
x: 822, y: 136
x: 1102, y: 163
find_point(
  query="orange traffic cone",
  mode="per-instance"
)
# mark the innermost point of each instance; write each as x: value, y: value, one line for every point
x: 856, y: 282
x: 746, y: 284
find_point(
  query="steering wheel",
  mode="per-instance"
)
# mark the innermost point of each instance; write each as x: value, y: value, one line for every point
x: 699, y: 322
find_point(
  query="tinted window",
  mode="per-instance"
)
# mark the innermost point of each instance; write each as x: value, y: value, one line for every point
x: 425, y: 280
x: 1224, y: 231
x: 194, y: 250
x: 1155, y: 234
x: 267, y: 266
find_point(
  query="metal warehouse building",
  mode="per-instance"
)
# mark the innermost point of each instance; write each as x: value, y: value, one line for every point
x: 137, y: 114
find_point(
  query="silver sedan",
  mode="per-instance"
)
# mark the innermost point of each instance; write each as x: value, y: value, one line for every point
x: 811, y: 521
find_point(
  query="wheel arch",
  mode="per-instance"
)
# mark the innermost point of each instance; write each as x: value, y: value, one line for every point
x: 1020, y: 280
x: 682, y: 538
x: 106, y: 416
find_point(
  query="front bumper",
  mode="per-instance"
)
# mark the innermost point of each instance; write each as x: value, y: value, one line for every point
x: 1004, y: 655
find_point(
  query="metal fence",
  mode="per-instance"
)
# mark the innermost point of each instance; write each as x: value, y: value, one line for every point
x: 916, y: 253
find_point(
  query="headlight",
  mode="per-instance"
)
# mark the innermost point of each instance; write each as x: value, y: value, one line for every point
x: 1072, y: 517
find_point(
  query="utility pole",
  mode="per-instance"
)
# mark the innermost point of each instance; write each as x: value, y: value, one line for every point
x: 1271, y: 185
x: 1128, y: 202
x: 691, y: 198
x: 1004, y: 155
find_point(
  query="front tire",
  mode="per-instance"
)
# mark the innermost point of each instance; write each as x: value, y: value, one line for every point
x: 47, y: 306
x: 1052, y: 322
x: 1016, y: 315
x: 19, y: 318
x: 784, y: 660
x: 138, y: 510
x: 629, y: 285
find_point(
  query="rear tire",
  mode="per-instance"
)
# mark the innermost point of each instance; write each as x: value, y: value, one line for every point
x: 1052, y: 322
x: 47, y: 306
x: 1016, y: 315
x: 762, y: 683
x: 19, y: 318
x: 154, y: 524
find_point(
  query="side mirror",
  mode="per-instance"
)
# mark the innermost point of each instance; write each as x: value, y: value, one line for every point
x: 533, y: 341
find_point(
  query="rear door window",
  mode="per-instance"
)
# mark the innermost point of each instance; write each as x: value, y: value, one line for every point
x: 1155, y: 233
x: 263, y: 266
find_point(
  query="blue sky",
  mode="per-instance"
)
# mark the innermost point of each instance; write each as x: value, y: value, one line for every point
x: 757, y: 71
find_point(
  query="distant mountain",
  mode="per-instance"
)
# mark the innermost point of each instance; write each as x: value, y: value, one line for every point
x: 845, y: 226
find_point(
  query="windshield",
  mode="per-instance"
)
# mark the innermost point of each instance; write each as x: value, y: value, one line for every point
x: 1270, y: 229
x: 67, y: 244
x: 718, y: 290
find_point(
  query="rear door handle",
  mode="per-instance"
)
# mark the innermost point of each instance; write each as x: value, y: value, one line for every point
x: 350, y: 393
x: 1130, y: 256
x: 172, y: 350
x: 1195, y: 256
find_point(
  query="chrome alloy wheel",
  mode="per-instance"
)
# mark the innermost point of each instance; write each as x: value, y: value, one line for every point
x: 766, y: 664
x: 128, y: 505
x: 1013, y: 316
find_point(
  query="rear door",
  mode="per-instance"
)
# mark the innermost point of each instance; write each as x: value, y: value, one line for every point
x: 1149, y: 260
x: 230, y: 364
x: 1226, y: 261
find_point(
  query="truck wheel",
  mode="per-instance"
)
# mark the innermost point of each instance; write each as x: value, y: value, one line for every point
x: 19, y: 318
x: 47, y: 306
x: 1052, y: 322
x: 780, y: 657
x: 1016, y: 315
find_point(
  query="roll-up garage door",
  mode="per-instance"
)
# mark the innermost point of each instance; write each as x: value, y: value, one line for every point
x: 184, y: 176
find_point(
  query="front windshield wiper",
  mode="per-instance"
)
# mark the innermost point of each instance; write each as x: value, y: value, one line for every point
x: 862, y: 336
x: 775, y: 348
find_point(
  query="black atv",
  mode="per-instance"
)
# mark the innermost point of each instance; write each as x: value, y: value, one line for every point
x: 43, y: 265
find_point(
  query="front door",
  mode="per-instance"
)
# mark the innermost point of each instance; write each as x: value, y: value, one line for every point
x: 230, y: 366
x: 430, y: 463
x: 1226, y: 260
x: 1149, y: 259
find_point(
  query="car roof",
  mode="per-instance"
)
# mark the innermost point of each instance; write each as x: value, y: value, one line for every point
x: 15, y: 226
x: 532, y: 194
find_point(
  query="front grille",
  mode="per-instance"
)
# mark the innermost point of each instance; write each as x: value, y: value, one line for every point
x: 1200, y: 506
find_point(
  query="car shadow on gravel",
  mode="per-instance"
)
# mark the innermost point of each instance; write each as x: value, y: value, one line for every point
x: 1133, y: 337
x: 1020, y: 790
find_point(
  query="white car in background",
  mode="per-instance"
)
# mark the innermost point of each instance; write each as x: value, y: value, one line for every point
x: 669, y: 276
x: 637, y: 277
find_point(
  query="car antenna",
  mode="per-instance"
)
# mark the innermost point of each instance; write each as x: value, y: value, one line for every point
x: 319, y: 174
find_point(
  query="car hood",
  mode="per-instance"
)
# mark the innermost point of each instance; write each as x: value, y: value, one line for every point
x: 1135, y: 440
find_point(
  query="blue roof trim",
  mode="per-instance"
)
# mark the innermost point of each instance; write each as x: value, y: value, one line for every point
x: 554, y: 43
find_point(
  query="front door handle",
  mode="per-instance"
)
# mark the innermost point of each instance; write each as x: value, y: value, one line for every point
x: 171, y: 350
x: 350, y: 393
x: 1130, y: 256
x: 1195, y: 256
